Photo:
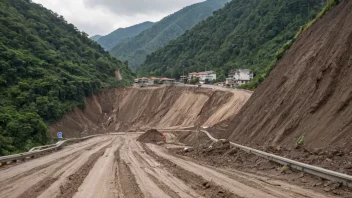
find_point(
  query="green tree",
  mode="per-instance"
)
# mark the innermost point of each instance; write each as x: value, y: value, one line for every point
x: 47, y: 67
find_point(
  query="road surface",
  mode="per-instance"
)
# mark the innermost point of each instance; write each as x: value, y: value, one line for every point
x: 119, y: 166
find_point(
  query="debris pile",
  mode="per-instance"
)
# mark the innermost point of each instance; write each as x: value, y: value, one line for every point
x: 152, y: 136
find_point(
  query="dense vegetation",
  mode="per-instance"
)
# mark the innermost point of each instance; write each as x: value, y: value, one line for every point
x: 244, y: 34
x: 47, y: 67
x: 135, y: 50
x: 111, y: 40
x: 281, y: 52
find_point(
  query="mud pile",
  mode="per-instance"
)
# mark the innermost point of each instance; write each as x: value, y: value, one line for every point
x: 151, y: 136
x: 307, y: 99
x: 223, y: 155
x: 140, y: 109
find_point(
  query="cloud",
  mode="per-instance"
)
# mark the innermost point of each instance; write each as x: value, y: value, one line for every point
x: 104, y: 16
x: 133, y: 7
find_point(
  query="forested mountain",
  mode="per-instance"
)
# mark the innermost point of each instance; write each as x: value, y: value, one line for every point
x: 47, y: 67
x: 244, y: 34
x: 111, y: 40
x: 135, y: 50
x: 96, y: 37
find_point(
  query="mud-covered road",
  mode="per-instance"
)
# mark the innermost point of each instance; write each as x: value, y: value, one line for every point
x: 119, y: 166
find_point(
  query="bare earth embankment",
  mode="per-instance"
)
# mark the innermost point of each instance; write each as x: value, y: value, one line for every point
x: 138, y: 109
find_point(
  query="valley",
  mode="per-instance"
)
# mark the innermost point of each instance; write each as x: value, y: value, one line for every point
x: 221, y: 98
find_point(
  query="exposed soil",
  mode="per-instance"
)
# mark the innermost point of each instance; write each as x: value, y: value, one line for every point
x: 120, y: 166
x: 140, y: 109
x: 198, y: 183
x: 75, y: 180
x: 308, y: 94
x: 43, y: 176
x: 126, y: 181
x: 151, y: 136
x: 223, y: 155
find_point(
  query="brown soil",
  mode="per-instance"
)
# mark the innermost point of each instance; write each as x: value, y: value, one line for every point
x: 120, y: 166
x: 151, y: 136
x: 222, y: 155
x: 202, y: 186
x: 140, y: 109
x: 308, y: 93
x: 125, y: 179
x: 76, y: 179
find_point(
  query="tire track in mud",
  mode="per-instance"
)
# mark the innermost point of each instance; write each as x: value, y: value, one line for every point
x: 275, y: 188
x: 126, y: 181
x: 163, y: 186
x: 75, y: 180
x: 152, y: 177
x: 239, y: 184
x: 39, y: 168
x: 54, y: 175
x: 31, y: 181
x: 44, y: 184
x: 199, y: 184
x: 29, y: 167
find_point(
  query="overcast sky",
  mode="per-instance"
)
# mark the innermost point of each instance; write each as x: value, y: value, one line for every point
x: 104, y: 16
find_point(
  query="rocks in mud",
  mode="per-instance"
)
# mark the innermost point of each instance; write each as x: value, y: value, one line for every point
x: 206, y: 185
x: 218, y: 148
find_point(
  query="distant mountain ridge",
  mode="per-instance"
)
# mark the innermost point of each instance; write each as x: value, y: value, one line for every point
x: 244, y: 34
x: 111, y: 40
x: 135, y: 50
x: 96, y: 37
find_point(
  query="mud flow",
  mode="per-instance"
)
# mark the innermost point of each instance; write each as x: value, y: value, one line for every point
x: 121, y: 166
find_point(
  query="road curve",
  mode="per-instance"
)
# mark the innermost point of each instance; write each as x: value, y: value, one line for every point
x: 119, y: 166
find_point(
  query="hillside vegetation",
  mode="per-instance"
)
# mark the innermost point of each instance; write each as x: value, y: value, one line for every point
x: 96, y: 37
x: 135, y: 50
x: 280, y: 53
x: 47, y: 67
x: 111, y: 40
x: 244, y: 34
x: 307, y: 96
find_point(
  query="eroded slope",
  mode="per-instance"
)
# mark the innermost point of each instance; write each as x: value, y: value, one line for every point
x: 307, y: 94
x: 133, y: 109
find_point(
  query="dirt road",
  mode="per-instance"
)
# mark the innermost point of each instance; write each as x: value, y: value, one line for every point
x: 119, y: 166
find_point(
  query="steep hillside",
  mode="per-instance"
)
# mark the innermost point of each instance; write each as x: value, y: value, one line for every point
x: 244, y: 34
x: 136, y: 49
x: 307, y: 97
x: 47, y: 67
x: 132, y: 109
x: 96, y: 37
x: 111, y: 40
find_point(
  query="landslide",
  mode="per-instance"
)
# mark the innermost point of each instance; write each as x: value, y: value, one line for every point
x: 307, y: 95
x: 140, y: 109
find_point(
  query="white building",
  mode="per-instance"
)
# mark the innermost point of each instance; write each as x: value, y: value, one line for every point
x: 207, y: 75
x: 240, y: 76
x: 152, y: 81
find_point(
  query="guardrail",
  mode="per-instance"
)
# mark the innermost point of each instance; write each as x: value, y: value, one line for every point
x: 40, y: 150
x: 313, y: 170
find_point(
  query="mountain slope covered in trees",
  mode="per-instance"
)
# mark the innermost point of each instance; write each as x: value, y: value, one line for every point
x: 111, y: 40
x: 244, y: 34
x: 96, y: 37
x: 47, y: 67
x: 135, y: 50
